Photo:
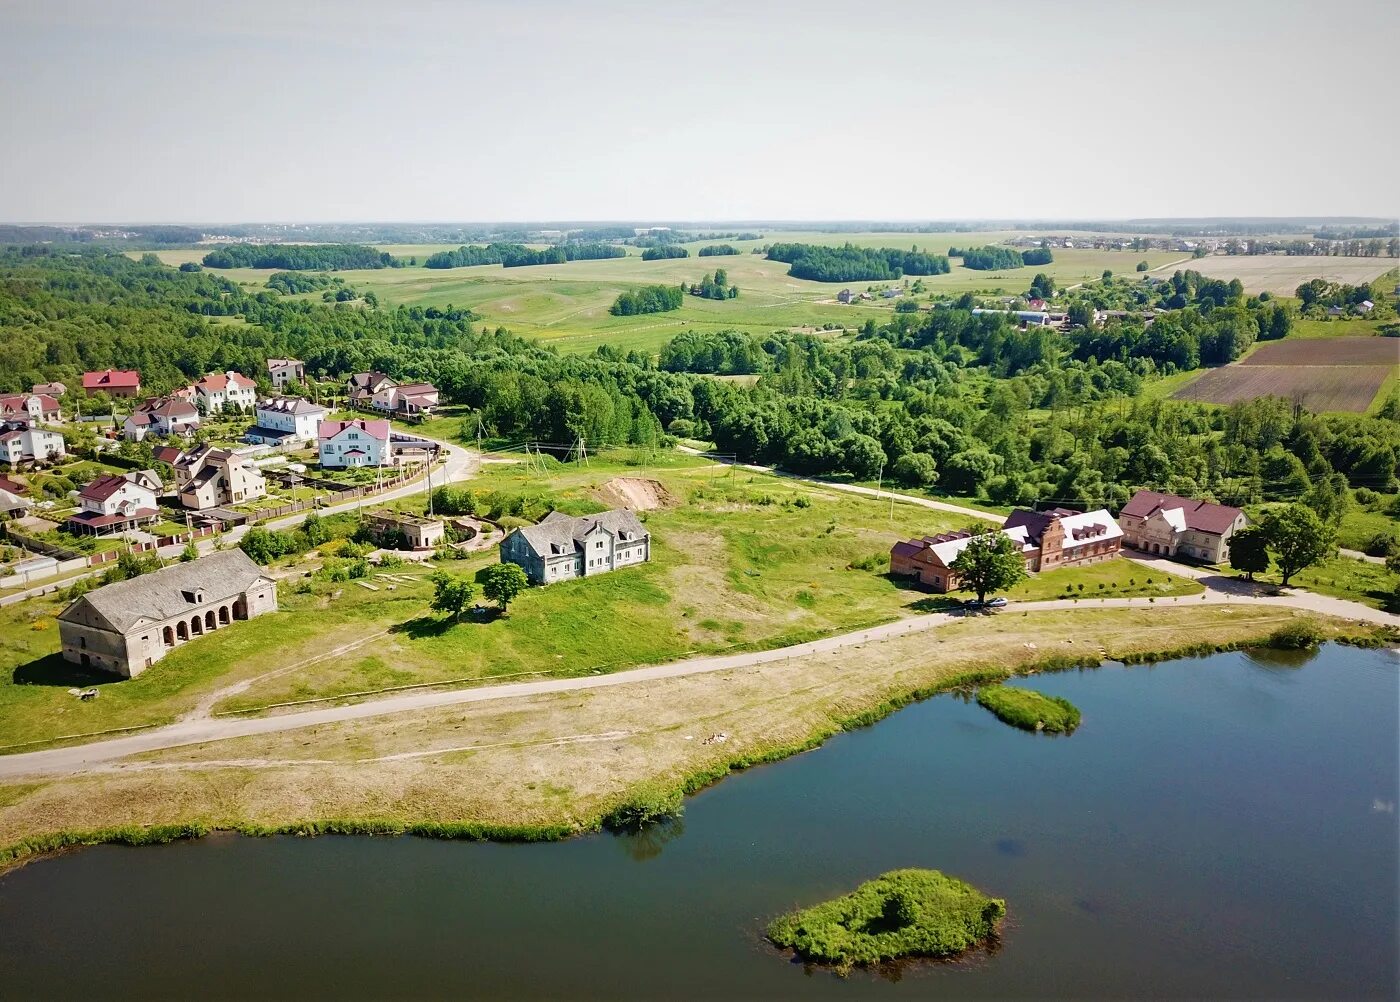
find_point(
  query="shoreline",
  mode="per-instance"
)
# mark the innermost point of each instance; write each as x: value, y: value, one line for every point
x: 639, y: 794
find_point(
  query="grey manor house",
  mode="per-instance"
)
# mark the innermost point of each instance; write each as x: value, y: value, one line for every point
x: 126, y: 627
x: 562, y: 547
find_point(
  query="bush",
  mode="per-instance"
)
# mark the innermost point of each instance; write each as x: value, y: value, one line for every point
x: 1299, y: 635
x: 903, y: 913
x: 1382, y: 544
x: 1029, y: 710
x: 648, y: 804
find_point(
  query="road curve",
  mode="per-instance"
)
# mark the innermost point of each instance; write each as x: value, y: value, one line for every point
x: 87, y: 757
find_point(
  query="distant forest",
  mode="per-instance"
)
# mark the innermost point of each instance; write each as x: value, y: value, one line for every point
x: 298, y: 257
x: 818, y: 263
x: 663, y: 251
x: 718, y: 250
x: 519, y: 256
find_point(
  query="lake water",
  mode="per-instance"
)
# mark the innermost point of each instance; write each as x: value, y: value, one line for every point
x: 1221, y: 826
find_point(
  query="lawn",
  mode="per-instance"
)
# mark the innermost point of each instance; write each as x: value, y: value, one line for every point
x: 1343, y: 577
x: 1117, y: 578
x: 1360, y: 525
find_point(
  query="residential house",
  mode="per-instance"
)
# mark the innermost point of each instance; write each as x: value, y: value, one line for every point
x: 219, y: 390
x: 113, y: 503
x: 207, y: 477
x: 113, y: 382
x: 39, y: 408
x: 892, y: 293
x: 12, y: 505
x: 362, y: 386
x: 54, y: 389
x: 561, y: 547
x: 164, y: 417
x: 1061, y: 537
x: 1180, y: 527
x: 417, y: 532
x: 126, y: 627
x: 166, y: 454
x: 1048, y: 540
x: 285, y: 371
x: 406, y: 399
x: 286, y: 421
x: 845, y: 296
x: 24, y: 442
x: 1336, y: 311
x: 344, y: 444
x: 1365, y: 306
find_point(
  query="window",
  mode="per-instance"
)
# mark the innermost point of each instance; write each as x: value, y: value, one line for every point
x: 598, y: 545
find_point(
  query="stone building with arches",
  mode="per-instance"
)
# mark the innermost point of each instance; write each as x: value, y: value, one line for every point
x: 126, y: 627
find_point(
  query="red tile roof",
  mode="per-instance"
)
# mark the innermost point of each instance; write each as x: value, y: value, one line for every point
x: 217, y: 381
x: 103, y: 487
x: 1203, y: 516
x: 107, y: 378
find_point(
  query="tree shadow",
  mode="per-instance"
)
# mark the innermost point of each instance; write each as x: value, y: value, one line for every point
x: 422, y: 627
x: 53, y: 670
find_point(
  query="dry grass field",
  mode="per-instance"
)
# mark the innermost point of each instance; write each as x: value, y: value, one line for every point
x: 1282, y: 275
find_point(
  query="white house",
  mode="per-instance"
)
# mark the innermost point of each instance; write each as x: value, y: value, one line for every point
x: 165, y: 417
x: 283, y: 420
x: 360, y: 442
x: 22, y: 442
x: 285, y: 371
x: 207, y: 477
x: 218, y: 390
x: 114, y: 503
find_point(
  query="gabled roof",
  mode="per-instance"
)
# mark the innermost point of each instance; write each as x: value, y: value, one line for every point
x: 103, y: 487
x: 369, y: 380
x: 290, y: 405
x: 378, y: 428
x: 558, y: 533
x: 169, y: 407
x: 1078, y: 526
x: 20, y: 401
x: 1202, y: 516
x: 166, y: 454
x: 167, y: 592
x: 124, y: 378
x: 282, y: 363
x: 53, y: 389
x: 217, y: 382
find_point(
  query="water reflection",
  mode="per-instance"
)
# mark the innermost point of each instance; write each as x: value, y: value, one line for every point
x: 1274, y: 659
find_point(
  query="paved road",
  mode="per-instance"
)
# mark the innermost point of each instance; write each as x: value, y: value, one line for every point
x: 1358, y: 555
x: 192, y: 731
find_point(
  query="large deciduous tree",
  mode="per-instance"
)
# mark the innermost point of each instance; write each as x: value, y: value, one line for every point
x: 1249, y: 551
x: 501, y: 583
x: 451, y: 594
x: 1297, y: 538
x: 990, y: 562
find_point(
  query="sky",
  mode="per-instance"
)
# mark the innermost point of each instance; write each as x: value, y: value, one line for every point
x: 408, y: 110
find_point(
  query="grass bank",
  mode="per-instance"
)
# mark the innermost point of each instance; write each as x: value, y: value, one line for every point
x: 552, y: 766
x: 1028, y: 709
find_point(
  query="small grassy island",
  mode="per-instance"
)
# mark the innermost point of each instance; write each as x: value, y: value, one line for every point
x: 1029, y: 710
x: 903, y: 913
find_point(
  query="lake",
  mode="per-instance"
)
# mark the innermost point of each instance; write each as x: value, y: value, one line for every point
x: 1217, y: 826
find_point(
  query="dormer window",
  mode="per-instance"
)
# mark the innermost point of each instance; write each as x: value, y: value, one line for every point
x: 195, y: 597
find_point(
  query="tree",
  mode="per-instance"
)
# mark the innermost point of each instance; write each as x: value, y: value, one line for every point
x: 451, y: 594
x: 915, y: 469
x: 1142, y: 266
x: 501, y: 583
x: 315, y: 528
x: 990, y: 562
x: 190, y: 552
x: 1249, y: 551
x: 1297, y: 538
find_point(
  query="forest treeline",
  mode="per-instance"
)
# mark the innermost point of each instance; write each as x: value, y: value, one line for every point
x: 848, y: 263
x: 718, y: 250
x: 664, y: 251
x: 991, y: 258
x: 964, y: 402
x: 300, y: 257
x: 511, y: 255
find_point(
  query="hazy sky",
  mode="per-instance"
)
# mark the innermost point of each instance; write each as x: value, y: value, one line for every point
x: 186, y: 111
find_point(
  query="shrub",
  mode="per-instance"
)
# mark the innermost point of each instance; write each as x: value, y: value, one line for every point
x: 903, y: 913
x: 1299, y: 635
x: 1382, y: 544
x: 647, y: 804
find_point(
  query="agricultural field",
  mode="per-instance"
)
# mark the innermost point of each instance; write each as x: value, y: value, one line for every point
x: 1333, y: 374
x: 1282, y: 275
x: 567, y: 305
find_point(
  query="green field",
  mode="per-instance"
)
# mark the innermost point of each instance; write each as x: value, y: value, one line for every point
x: 567, y: 304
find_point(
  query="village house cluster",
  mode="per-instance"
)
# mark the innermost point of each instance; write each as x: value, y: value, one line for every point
x: 1163, y: 524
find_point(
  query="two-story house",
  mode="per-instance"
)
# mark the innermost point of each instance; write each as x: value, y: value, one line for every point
x: 218, y: 390
x: 286, y: 420
x: 207, y: 477
x: 362, y: 387
x: 1180, y: 527
x: 561, y: 547
x: 344, y: 444
x: 22, y: 441
x: 284, y: 372
x: 164, y: 417
x: 113, y: 503
x: 113, y: 382
x: 40, y: 408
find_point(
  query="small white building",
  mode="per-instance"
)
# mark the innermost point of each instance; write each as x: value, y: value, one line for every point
x: 284, y: 420
x: 345, y: 444
x: 218, y: 390
x: 23, y: 442
x: 284, y: 372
